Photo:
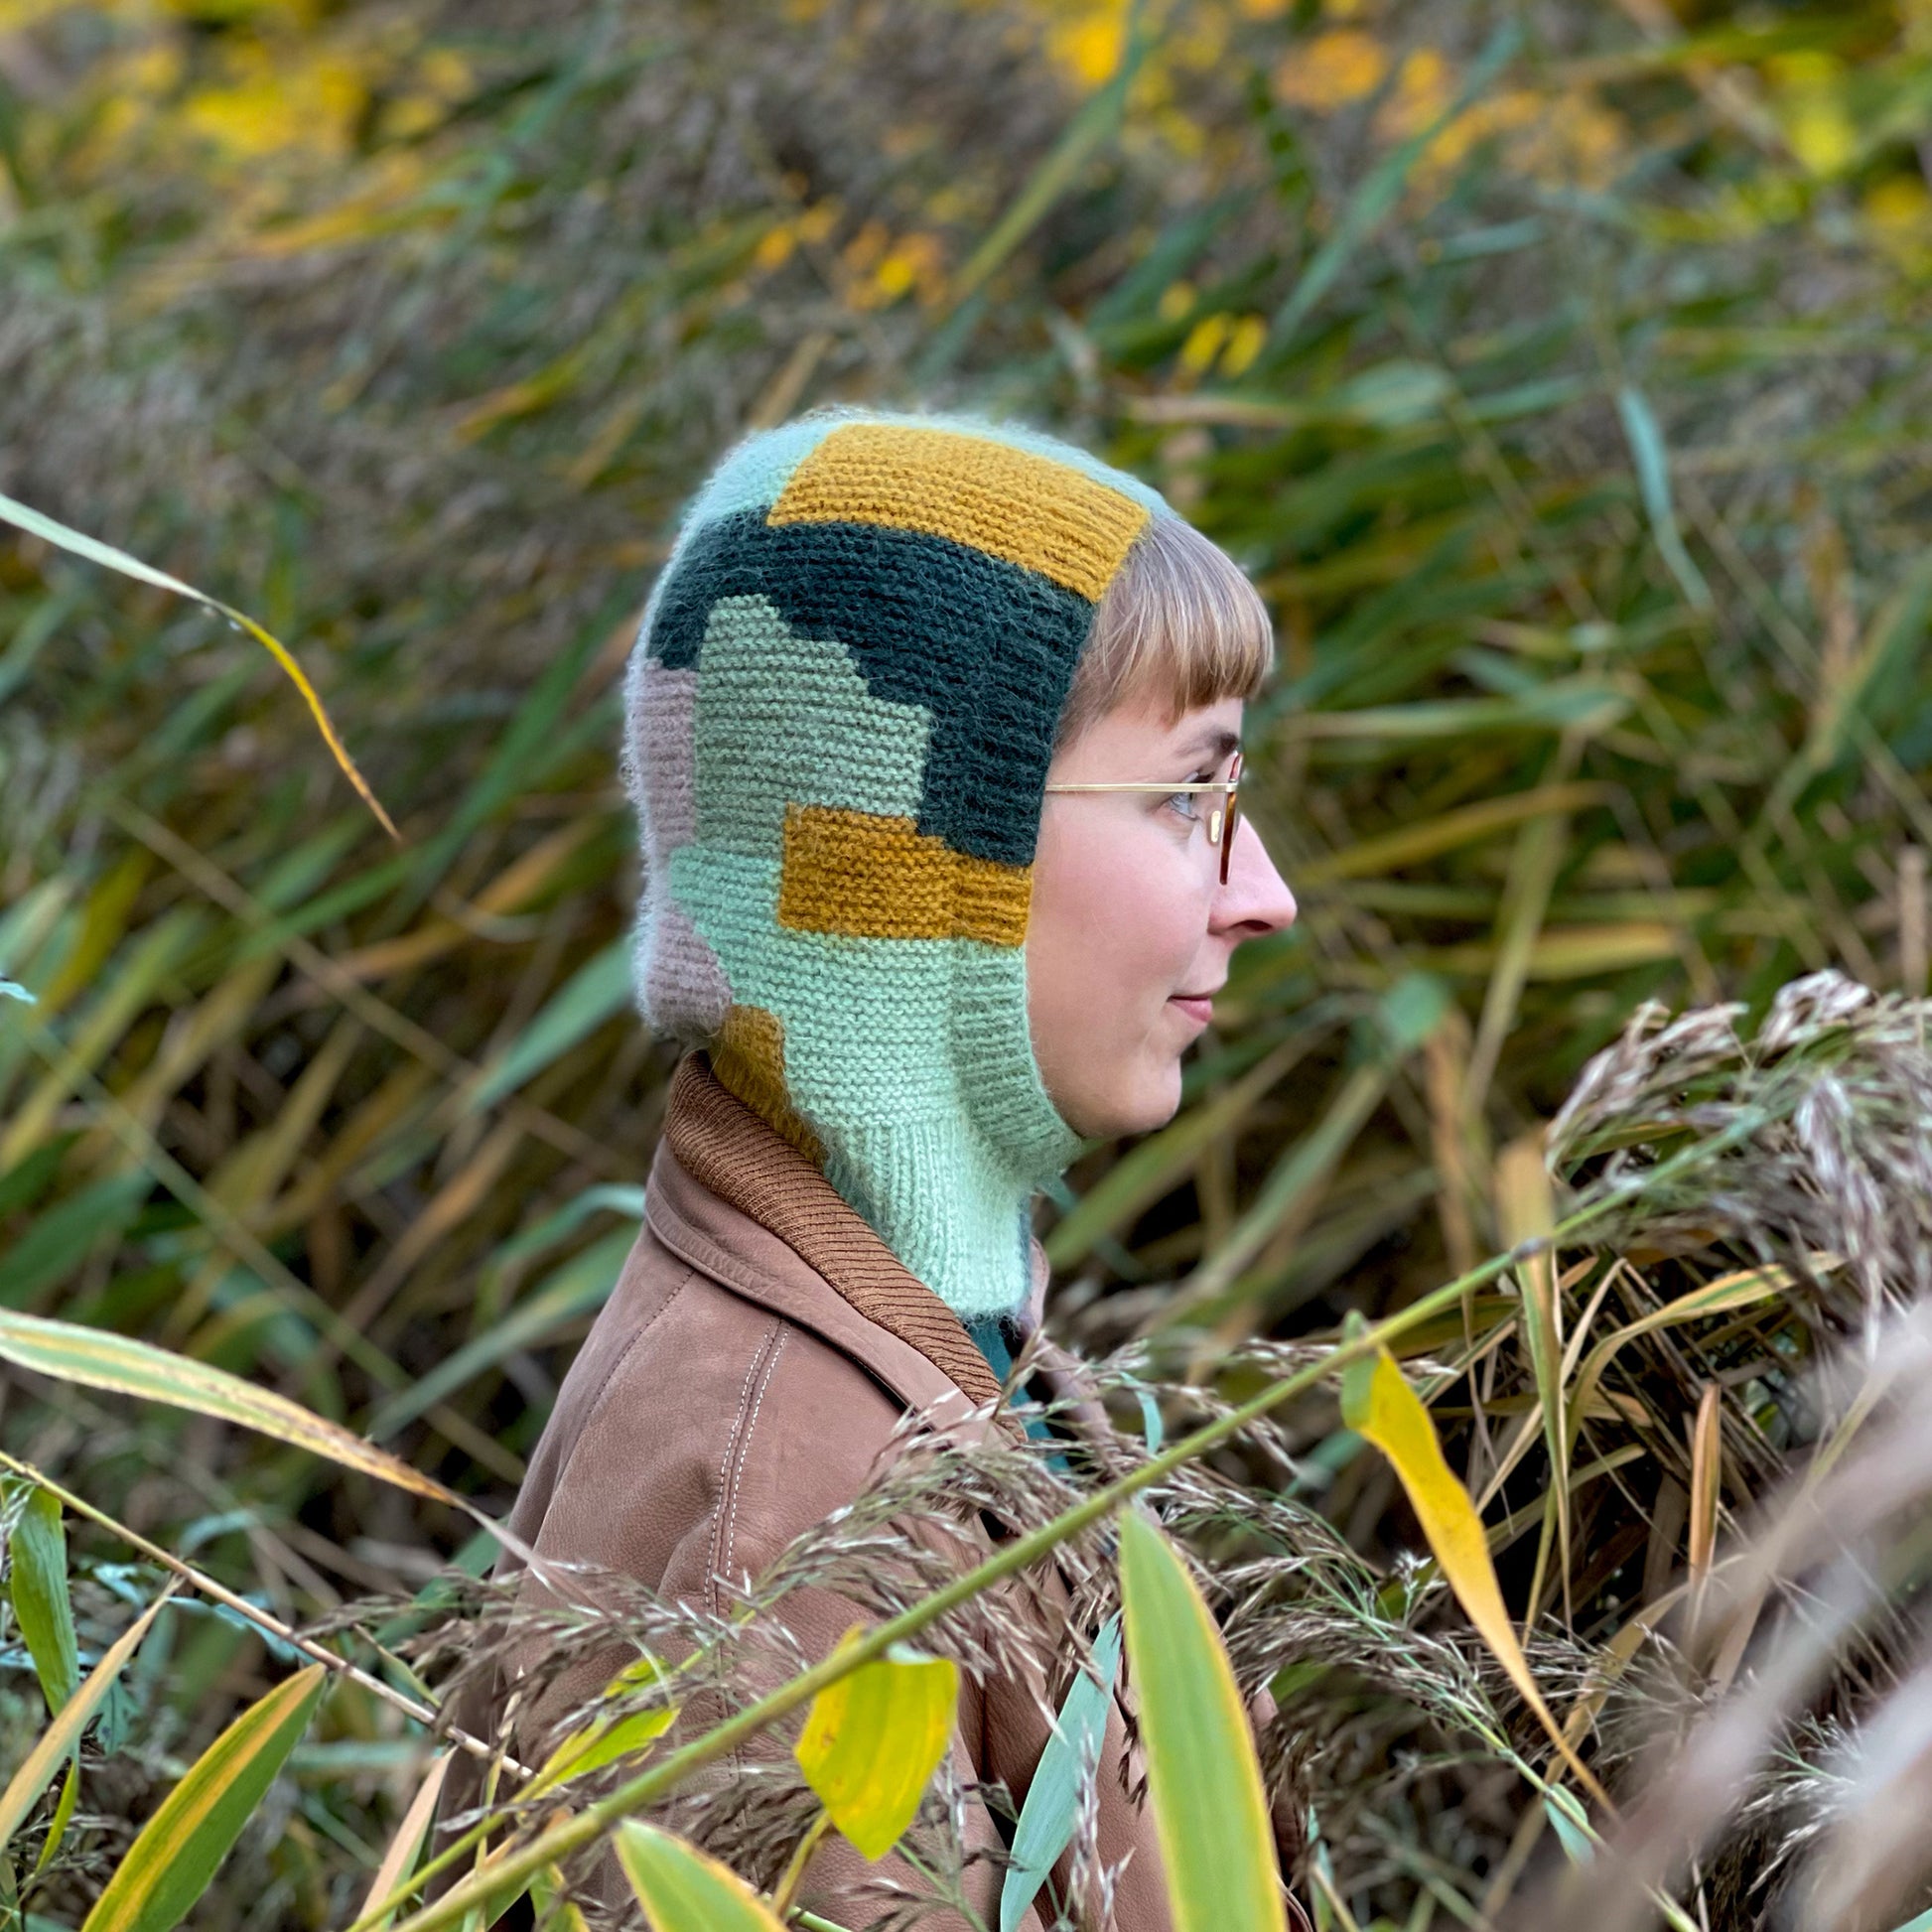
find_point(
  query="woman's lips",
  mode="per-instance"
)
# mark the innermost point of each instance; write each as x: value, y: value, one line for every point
x: 1198, y: 1006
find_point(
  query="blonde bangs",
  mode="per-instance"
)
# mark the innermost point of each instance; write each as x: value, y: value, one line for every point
x: 1179, y: 624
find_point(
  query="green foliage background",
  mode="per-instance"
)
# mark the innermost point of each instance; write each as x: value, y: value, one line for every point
x: 1558, y: 370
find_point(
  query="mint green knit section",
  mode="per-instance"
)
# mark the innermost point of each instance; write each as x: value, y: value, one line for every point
x: 908, y: 1141
x: 908, y: 1058
x: 754, y: 476
x: 757, y: 680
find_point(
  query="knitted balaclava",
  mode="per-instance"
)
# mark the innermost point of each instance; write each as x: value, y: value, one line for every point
x: 841, y: 711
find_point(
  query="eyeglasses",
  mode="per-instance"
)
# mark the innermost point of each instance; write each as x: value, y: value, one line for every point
x: 1221, y: 822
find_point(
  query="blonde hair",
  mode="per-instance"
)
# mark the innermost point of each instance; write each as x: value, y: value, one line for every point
x: 1181, y: 625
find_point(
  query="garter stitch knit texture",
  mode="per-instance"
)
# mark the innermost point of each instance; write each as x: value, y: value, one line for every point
x: 840, y: 714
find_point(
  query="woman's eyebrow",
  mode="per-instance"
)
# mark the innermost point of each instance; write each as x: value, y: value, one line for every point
x: 1213, y: 744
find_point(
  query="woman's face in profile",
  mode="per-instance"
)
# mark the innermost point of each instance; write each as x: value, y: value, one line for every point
x: 1130, y: 929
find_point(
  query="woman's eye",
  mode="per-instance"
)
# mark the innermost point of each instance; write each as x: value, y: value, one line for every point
x: 1185, y: 802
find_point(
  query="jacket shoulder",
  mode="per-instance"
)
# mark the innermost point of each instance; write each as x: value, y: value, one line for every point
x: 697, y: 1433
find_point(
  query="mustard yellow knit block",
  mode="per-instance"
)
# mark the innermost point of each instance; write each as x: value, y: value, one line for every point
x: 749, y: 1059
x: 1004, y: 502
x: 868, y: 877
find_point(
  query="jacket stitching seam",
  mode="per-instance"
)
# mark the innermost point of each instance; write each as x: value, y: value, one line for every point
x: 745, y: 1453
x: 611, y: 1373
x: 727, y: 1505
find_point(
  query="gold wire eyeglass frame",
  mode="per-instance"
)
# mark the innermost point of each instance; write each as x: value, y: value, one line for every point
x: 1220, y: 824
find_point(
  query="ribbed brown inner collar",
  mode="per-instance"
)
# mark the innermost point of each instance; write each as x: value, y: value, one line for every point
x: 722, y: 1143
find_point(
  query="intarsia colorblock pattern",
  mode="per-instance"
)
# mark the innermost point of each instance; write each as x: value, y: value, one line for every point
x: 841, y: 711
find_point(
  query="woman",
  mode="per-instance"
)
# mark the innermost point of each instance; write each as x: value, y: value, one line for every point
x: 932, y: 729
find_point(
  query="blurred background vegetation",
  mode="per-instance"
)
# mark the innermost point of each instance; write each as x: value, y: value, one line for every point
x: 1557, y: 368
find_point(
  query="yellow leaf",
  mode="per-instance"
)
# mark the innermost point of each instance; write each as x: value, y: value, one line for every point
x: 1246, y: 340
x: 872, y: 1740
x: 400, y: 1859
x: 1203, y: 344
x: 1707, y: 1468
x: 1380, y: 1406
x: 1526, y: 1210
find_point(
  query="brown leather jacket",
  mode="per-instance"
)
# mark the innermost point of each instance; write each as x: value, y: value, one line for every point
x: 747, y: 1373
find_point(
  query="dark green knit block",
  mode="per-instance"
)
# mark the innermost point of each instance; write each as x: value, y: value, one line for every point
x: 986, y: 647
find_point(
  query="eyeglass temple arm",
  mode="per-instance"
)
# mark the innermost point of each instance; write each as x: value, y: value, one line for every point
x: 1213, y: 784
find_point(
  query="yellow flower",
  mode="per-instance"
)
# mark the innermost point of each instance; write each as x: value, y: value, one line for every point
x: 884, y: 270
x: 1333, y: 70
x: 1423, y: 89
x: 913, y: 263
x: 1245, y: 341
x: 1897, y: 202
x: 1203, y: 344
x: 274, y: 107
x: 1817, y: 123
x: 774, y: 246
x: 820, y: 219
x: 1089, y: 46
x: 1176, y: 301
x: 1899, y: 211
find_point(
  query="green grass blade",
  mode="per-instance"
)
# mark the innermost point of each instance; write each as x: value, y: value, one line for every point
x: 1052, y: 1806
x: 1374, y: 200
x: 1140, y: 1177
x: 37, y: 1554
x: 682, y: 1890
x: 1089, y: 129
x: 97, y: 1359
x: 1647, y: 452
x: 582, y: 1283
x: 54, y: 1245
x: 1209, y: 1809
x: 37, y: 523
x: 600, y: 988
x: 180, y: 1848
x: 62, y: 1736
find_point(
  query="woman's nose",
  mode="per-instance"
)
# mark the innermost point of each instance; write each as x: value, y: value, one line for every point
x: 1256, y: 900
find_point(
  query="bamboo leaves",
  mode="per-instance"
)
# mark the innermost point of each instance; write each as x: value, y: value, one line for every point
x: 97, y: 1360
x: 683, y: 1891
x: 62, y: 1736
x: 36, y: 1552
x: 874, y: 1740
x: 1202, y: 1780
x: 37, y: 523
x: 171, y: 1864
x: 1380, y: 1406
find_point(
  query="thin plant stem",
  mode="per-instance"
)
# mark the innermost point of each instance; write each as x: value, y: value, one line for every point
x: 264, y: 1620
x: 795, y: 1867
